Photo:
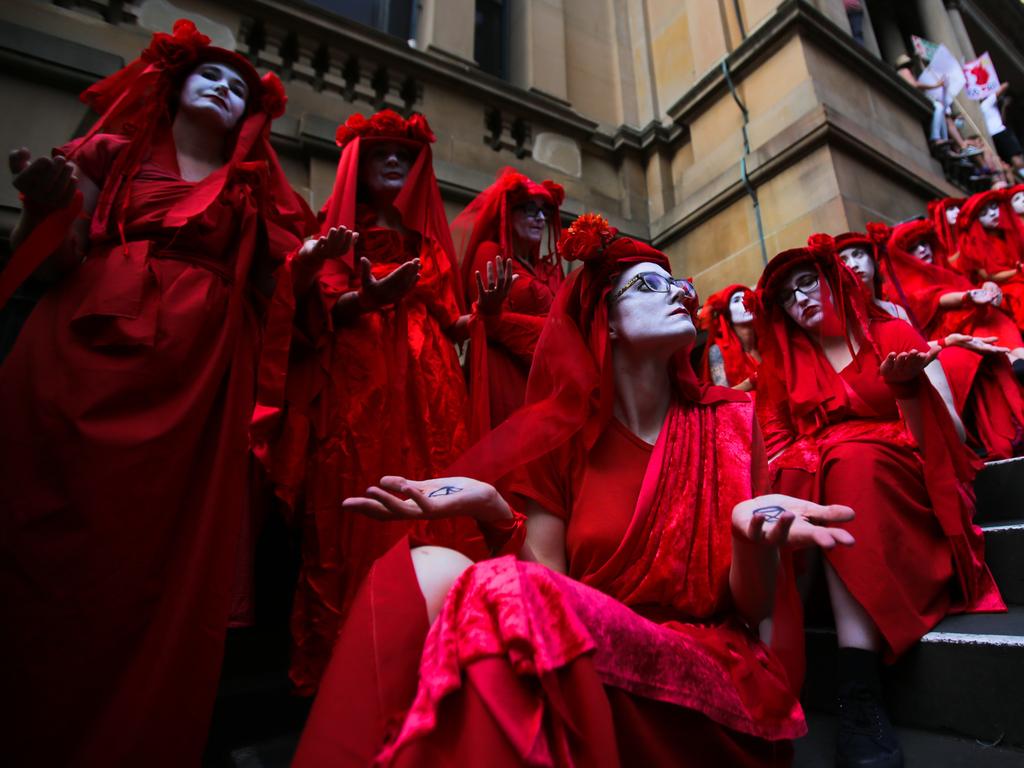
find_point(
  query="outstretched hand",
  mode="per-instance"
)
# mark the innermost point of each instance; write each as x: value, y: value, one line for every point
x: 392, y: 287
x: 46, y: 183
x: 905, y: 366
x: 784, y: 521
x: 982, y: 344
x: 429, y: 499
x: 315, y: 251
x: 491, y: 296
x: 995, y: 291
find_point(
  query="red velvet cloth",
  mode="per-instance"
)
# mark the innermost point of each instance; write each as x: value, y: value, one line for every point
x: 739, y: 365
x: 124, y: 469
x: 641, y: 636
x: 828, y: 431
x: 984, y: 251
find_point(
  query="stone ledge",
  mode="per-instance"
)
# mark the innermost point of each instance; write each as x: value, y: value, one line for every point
x: 53, y: 59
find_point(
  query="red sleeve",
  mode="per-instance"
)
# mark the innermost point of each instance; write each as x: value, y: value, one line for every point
x: 894, y: 335
x: 777, y: 430
x: 95, y: 156
x: 549, y: 481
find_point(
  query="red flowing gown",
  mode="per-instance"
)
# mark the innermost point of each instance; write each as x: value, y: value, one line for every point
x: 918, y: 557
x: 512, y: 334
x: 392, y: 401
x: 637, y: 657
x: 125, y: 407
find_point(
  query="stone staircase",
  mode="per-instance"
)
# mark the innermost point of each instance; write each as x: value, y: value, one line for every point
x: 957, y: 699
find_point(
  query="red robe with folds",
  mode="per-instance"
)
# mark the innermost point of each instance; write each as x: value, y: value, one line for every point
x: 637, y: 657
x: 994, y: 251
x: 512, y: 334
x: 916, y: 509
x: 124, y: 474
x: 388, y: 398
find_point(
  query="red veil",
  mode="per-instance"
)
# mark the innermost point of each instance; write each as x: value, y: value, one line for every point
x: 739, y: 365
x: 944, y: 231
x: 982, y: 249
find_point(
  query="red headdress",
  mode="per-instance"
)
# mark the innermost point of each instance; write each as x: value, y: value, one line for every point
x: 1016, y: 218
x: 488, y: 219
x: 571, y: 387
x: 138, y: 102
x: 992, y: 251
x: 945, y: 231
x: 419, y: 203
x: 791, y: 367
x: 919, y: 284
x: 717, y: 319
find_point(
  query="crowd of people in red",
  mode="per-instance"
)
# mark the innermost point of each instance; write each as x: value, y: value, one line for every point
x: 570, y: 550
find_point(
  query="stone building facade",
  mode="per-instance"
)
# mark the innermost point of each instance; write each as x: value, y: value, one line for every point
x: 722, y: 131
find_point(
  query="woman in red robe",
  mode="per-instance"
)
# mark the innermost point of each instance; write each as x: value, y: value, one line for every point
x: 943, y: 214
x: 518, y: 219
x: 730, y: 355
x: 624, y: 634
x: 125, y: 405
x: 992, y: 248
x: 377, y: 388
x: 842, y: 399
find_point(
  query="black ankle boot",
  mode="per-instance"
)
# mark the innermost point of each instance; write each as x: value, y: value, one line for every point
x: 866, y: 737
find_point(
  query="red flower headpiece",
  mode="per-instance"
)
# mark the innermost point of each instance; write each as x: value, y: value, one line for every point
x: 177, y: 49
x: 273, y: 97
x: 385, y: 124
x: 586, y: 238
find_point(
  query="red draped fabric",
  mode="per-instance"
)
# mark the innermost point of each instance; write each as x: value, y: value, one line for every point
x: 990, y: 251
x: 636, y: 653
x: 944, y: 231
x: 124, y: 472
x: 739, y: 365
x: 828, y: 431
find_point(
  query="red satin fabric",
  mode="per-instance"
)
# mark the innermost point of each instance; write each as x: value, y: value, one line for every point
x: 510, y: 336
x: 916, y: 509
x: 739, y: 366
x: 390, y: 399
x: 124, y: 473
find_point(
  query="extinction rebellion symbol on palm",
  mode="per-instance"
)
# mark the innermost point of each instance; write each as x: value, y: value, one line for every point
x: 770, y: 514
x: 444, y: 490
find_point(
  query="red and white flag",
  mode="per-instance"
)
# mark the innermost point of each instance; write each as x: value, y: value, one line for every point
x: 981, y: 77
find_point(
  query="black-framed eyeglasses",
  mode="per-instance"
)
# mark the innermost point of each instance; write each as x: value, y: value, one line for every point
x: 807, y: 284
x: 532, y: 210
x: 658, y: 283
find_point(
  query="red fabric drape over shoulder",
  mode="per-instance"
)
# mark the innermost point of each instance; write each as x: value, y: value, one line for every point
x: 124, y: 473
x: 825, y: 427
x: 739, y: 366
x: 990, y: 251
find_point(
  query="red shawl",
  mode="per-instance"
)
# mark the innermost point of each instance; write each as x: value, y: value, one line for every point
x: 944, y: 231
x: 988, y: 250
x: 739, y: 366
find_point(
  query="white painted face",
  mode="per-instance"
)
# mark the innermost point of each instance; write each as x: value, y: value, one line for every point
x: 801, y: 298
x: 860, y: 261
x: 215, y: 93
x: 738, y: 311
x: 923, y: 251
x: 989, y: 216
x: 951, y: 213
x: 645, y: 319
x: 384, y: 168
x: 1017, y: 201
x: 530, y: 219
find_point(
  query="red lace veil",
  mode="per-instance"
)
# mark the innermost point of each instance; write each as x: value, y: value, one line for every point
x: 979, y: 247
x: 488, y: 219
x: 137, y: 102
x: 944, y: 231
x: 717, y: 320
x: 419, y: 203
x: 571, y: 387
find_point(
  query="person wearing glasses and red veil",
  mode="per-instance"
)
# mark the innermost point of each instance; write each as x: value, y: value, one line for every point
x: 624, y: 633
x: 376, y: 386
x: 842, y: 400
x: 518, y: 220
x: 125, y: 403
x: 730, y: 355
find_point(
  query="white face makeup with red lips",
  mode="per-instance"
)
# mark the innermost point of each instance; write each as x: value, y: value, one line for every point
x: 384, y: 168
x: 951, y: 213
x: 643, y: 318
x: 801, y: 298
x: 860, y: 261
x: 923, y: 251
x: 1017, y: 201
x: 738, y: 311
x: 530, y: 220
x: 989, y: 216
x: 214, y: 92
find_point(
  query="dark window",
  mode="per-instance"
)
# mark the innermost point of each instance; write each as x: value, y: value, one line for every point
x: 490, y: 40
x: 391, y: 16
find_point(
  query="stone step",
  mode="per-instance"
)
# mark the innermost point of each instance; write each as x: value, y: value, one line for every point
x: 921, y: 749
x: 1000, y: 491
x: 1004, y: 553
x: 966, y: 677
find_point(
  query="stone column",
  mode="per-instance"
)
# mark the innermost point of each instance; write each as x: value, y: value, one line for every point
x: 537, y: 46
x: 887, y: 33
x: 870, y: 41
x: 447, y: 27
x: 959, y: 30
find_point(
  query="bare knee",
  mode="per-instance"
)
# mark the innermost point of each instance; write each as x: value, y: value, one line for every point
x: 437, y: 568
